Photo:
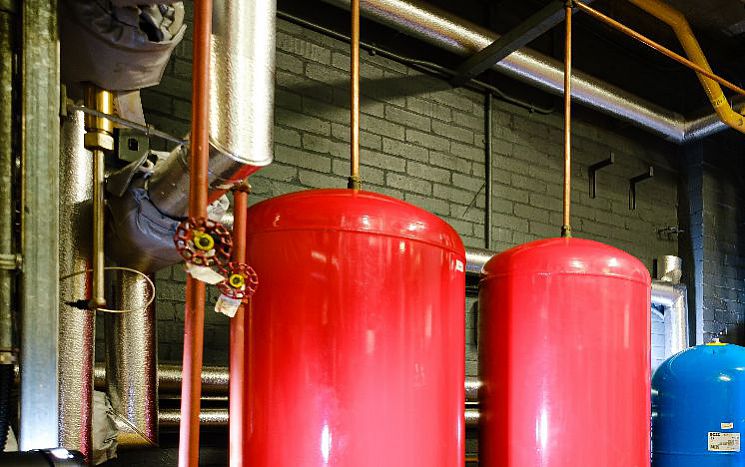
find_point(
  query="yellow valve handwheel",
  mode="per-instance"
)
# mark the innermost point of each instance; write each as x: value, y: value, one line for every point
x: 203, y: 241
x: 237, y: 281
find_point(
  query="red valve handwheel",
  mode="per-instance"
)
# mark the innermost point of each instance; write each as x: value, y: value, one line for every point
x: 241, y: 281
x: 203, y: 242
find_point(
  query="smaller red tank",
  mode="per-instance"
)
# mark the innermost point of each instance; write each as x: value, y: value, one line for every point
x: 564, y: 357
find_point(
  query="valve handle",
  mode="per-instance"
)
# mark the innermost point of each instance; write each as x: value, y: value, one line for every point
x: 203, y: 242
x: 241, y: 281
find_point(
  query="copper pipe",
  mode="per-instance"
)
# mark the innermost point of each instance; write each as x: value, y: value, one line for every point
x: 195, y: 290
x: 354, y: 178
x: 566, y: 228
x: 658, y: 47
x: 237, y: 339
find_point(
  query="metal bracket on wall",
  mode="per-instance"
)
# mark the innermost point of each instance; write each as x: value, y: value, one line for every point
x: 634, y: 181
x: 593, y: 169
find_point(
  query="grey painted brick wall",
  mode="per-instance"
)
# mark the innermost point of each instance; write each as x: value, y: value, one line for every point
x: 717, y: 226
x: 423, y: 142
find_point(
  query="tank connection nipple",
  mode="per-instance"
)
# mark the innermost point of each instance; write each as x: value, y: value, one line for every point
x: 716, y: 342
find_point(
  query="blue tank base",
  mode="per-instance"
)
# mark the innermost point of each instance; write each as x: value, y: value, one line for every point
x: 714, y: 459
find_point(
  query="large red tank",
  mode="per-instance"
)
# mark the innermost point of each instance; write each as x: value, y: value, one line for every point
x: 355, y: 345
x: 564, y: 357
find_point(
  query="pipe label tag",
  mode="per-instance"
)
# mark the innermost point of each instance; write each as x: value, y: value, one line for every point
x: 724, y: 442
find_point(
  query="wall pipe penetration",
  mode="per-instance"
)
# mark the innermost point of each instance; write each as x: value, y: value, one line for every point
x: 456, y: 35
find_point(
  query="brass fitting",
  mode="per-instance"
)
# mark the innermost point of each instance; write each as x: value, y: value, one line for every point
x: 99, y: 131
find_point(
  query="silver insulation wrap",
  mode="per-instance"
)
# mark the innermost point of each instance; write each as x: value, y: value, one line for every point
x: 76, y: 323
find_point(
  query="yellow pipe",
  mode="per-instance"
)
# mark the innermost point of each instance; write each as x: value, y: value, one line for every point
x: 682, y: 29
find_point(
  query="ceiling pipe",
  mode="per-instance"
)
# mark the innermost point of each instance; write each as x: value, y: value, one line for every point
x: 456, y: 35
x: 683, y: 31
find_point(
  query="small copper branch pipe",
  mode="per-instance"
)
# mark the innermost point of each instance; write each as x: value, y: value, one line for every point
x: 237, y: 340
x: 191, y: 389
x: 98, y: 138
x: 566, y: 228
x: 658, y: 47
x: 354, y: 178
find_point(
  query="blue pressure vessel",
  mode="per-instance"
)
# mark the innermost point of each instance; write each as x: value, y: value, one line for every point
x: 698, y: 408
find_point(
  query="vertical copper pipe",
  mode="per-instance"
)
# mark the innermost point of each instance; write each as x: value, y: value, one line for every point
x: 354, y: 178
x: 195, y: 290
x: 566, y: 228
x: 237, y: 341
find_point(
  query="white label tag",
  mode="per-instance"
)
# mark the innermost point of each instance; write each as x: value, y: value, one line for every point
x: 724, y: 442
x: 227, y: 306
x: 459, y: 265
x: 204, y: 274
x: 727, y: 426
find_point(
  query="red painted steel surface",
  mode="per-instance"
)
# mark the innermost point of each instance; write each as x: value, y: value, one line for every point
x: 564, y: 349
x: 355, y: 345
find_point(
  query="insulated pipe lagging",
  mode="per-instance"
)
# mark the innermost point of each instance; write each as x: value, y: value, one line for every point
x: 682, y: 29
x: 241, y: 126
x: 241, y: 105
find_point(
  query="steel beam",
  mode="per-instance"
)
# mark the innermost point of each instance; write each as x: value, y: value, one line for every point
x: 533, y: 27
x: 40, y: 105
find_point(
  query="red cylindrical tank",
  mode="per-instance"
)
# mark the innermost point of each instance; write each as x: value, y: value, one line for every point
x: 564, y: 357
x: 355, y: 345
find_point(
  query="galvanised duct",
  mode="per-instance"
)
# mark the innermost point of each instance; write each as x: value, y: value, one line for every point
x: 456, y: 35
x: 39, y: 287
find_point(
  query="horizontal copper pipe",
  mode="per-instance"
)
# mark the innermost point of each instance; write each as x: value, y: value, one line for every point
x: 657, y: 46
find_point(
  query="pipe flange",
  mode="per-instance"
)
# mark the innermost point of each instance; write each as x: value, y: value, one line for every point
x: 241, y: 281
x: 203, y: 242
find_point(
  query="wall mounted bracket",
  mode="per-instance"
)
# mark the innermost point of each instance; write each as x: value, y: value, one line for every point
x: 593, y: 169
x: 634, y: 181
